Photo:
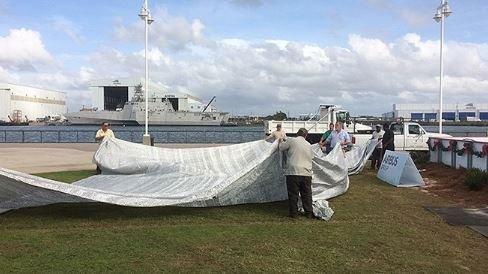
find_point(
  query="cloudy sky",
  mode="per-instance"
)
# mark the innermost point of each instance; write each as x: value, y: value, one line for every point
x: 256, y: 56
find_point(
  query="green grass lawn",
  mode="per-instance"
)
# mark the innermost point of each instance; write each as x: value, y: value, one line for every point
x: 375, y: 227
x: 68, y: 177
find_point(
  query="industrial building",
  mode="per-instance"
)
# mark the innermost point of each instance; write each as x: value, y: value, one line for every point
x: 20, y: 103
x: 450, y: 112
x: 112, y: 94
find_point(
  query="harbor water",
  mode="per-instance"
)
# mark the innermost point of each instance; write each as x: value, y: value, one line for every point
x: 460, y: 131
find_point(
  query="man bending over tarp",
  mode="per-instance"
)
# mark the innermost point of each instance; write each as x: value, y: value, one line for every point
x: 298, y: 172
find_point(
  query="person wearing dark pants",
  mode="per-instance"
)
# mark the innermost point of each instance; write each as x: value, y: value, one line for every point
x: 376, y: 156
x: 302, y: 185
x: 298, y: 172
x: 388, y: 140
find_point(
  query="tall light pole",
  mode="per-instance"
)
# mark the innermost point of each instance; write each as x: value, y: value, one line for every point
x: 146, y: 17
x: 443, y: 11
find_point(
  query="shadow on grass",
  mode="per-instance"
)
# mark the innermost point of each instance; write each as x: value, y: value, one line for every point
x: 108, y: 211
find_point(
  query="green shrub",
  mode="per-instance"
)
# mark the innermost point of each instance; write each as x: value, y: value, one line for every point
x: 420, y: 158
x: 476, y: 179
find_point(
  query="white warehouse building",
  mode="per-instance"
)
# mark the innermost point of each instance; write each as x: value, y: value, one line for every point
x: 24, y: 103
x: 112, y: 94
x: 450, y: 112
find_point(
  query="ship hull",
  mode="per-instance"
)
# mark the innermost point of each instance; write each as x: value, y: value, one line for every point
x: 98, y: 121
x: 94, y: 118
x: 161, y: 113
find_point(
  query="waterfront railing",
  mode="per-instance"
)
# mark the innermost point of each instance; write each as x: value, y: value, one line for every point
x: 160, y: 136
x: 203, y: 136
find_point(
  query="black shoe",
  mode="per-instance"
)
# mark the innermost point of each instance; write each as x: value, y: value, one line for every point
x: 310, y: 216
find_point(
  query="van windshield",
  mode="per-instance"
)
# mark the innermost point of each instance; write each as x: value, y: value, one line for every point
x: 343, y: 116
x: 414, y: 129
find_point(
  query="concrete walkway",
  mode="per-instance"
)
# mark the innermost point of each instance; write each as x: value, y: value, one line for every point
x: 38, y: 158
x: 474, y: 218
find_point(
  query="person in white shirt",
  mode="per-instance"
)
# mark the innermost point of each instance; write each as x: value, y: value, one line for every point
x: 298, y: 172
x: 103, y: 132
x: 279, y: 133
x: 339, y: 135
x: 376, y: 156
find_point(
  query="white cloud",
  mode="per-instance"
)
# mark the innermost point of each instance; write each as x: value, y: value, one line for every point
x: 248, y: 77
x: 234, y: 42
x: 21, y: 49
x: 155, y: 56
x: 281, y: 44
x: 166, y: 31
x: 370, y: 49
x: 68, y: 27
x: 406, y: 95
x: 25, y: 60
x: 6, y: 76
x: 366, y: 77
x: 87, y: 74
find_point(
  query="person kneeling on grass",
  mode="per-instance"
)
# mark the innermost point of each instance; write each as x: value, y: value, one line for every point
x: 298, y: 172
x: 103, y: 132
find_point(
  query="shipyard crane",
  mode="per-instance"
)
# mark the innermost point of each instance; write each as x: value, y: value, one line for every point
x: 205, y: 108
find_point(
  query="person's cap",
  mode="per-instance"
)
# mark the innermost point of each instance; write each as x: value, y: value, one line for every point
x: 302, y: 132
x: 378, y: 125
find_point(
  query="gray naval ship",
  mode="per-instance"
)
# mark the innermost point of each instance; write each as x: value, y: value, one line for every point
x: 162, y: 112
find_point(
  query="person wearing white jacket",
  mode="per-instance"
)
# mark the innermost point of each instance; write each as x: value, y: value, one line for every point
x: 298, y: 172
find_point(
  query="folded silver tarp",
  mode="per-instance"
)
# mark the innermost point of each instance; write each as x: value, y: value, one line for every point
x: 143, y: 176
x: 357, y: 157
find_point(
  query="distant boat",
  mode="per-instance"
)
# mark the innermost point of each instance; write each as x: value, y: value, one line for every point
x: 16, y: 120
x: 161, y: 113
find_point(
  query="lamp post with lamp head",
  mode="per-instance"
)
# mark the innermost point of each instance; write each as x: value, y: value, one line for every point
x: 443, y: 11
x: 146, y: 17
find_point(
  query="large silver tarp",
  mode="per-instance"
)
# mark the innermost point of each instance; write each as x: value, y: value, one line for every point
x: 356, y: 158
x: 143, y: 176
